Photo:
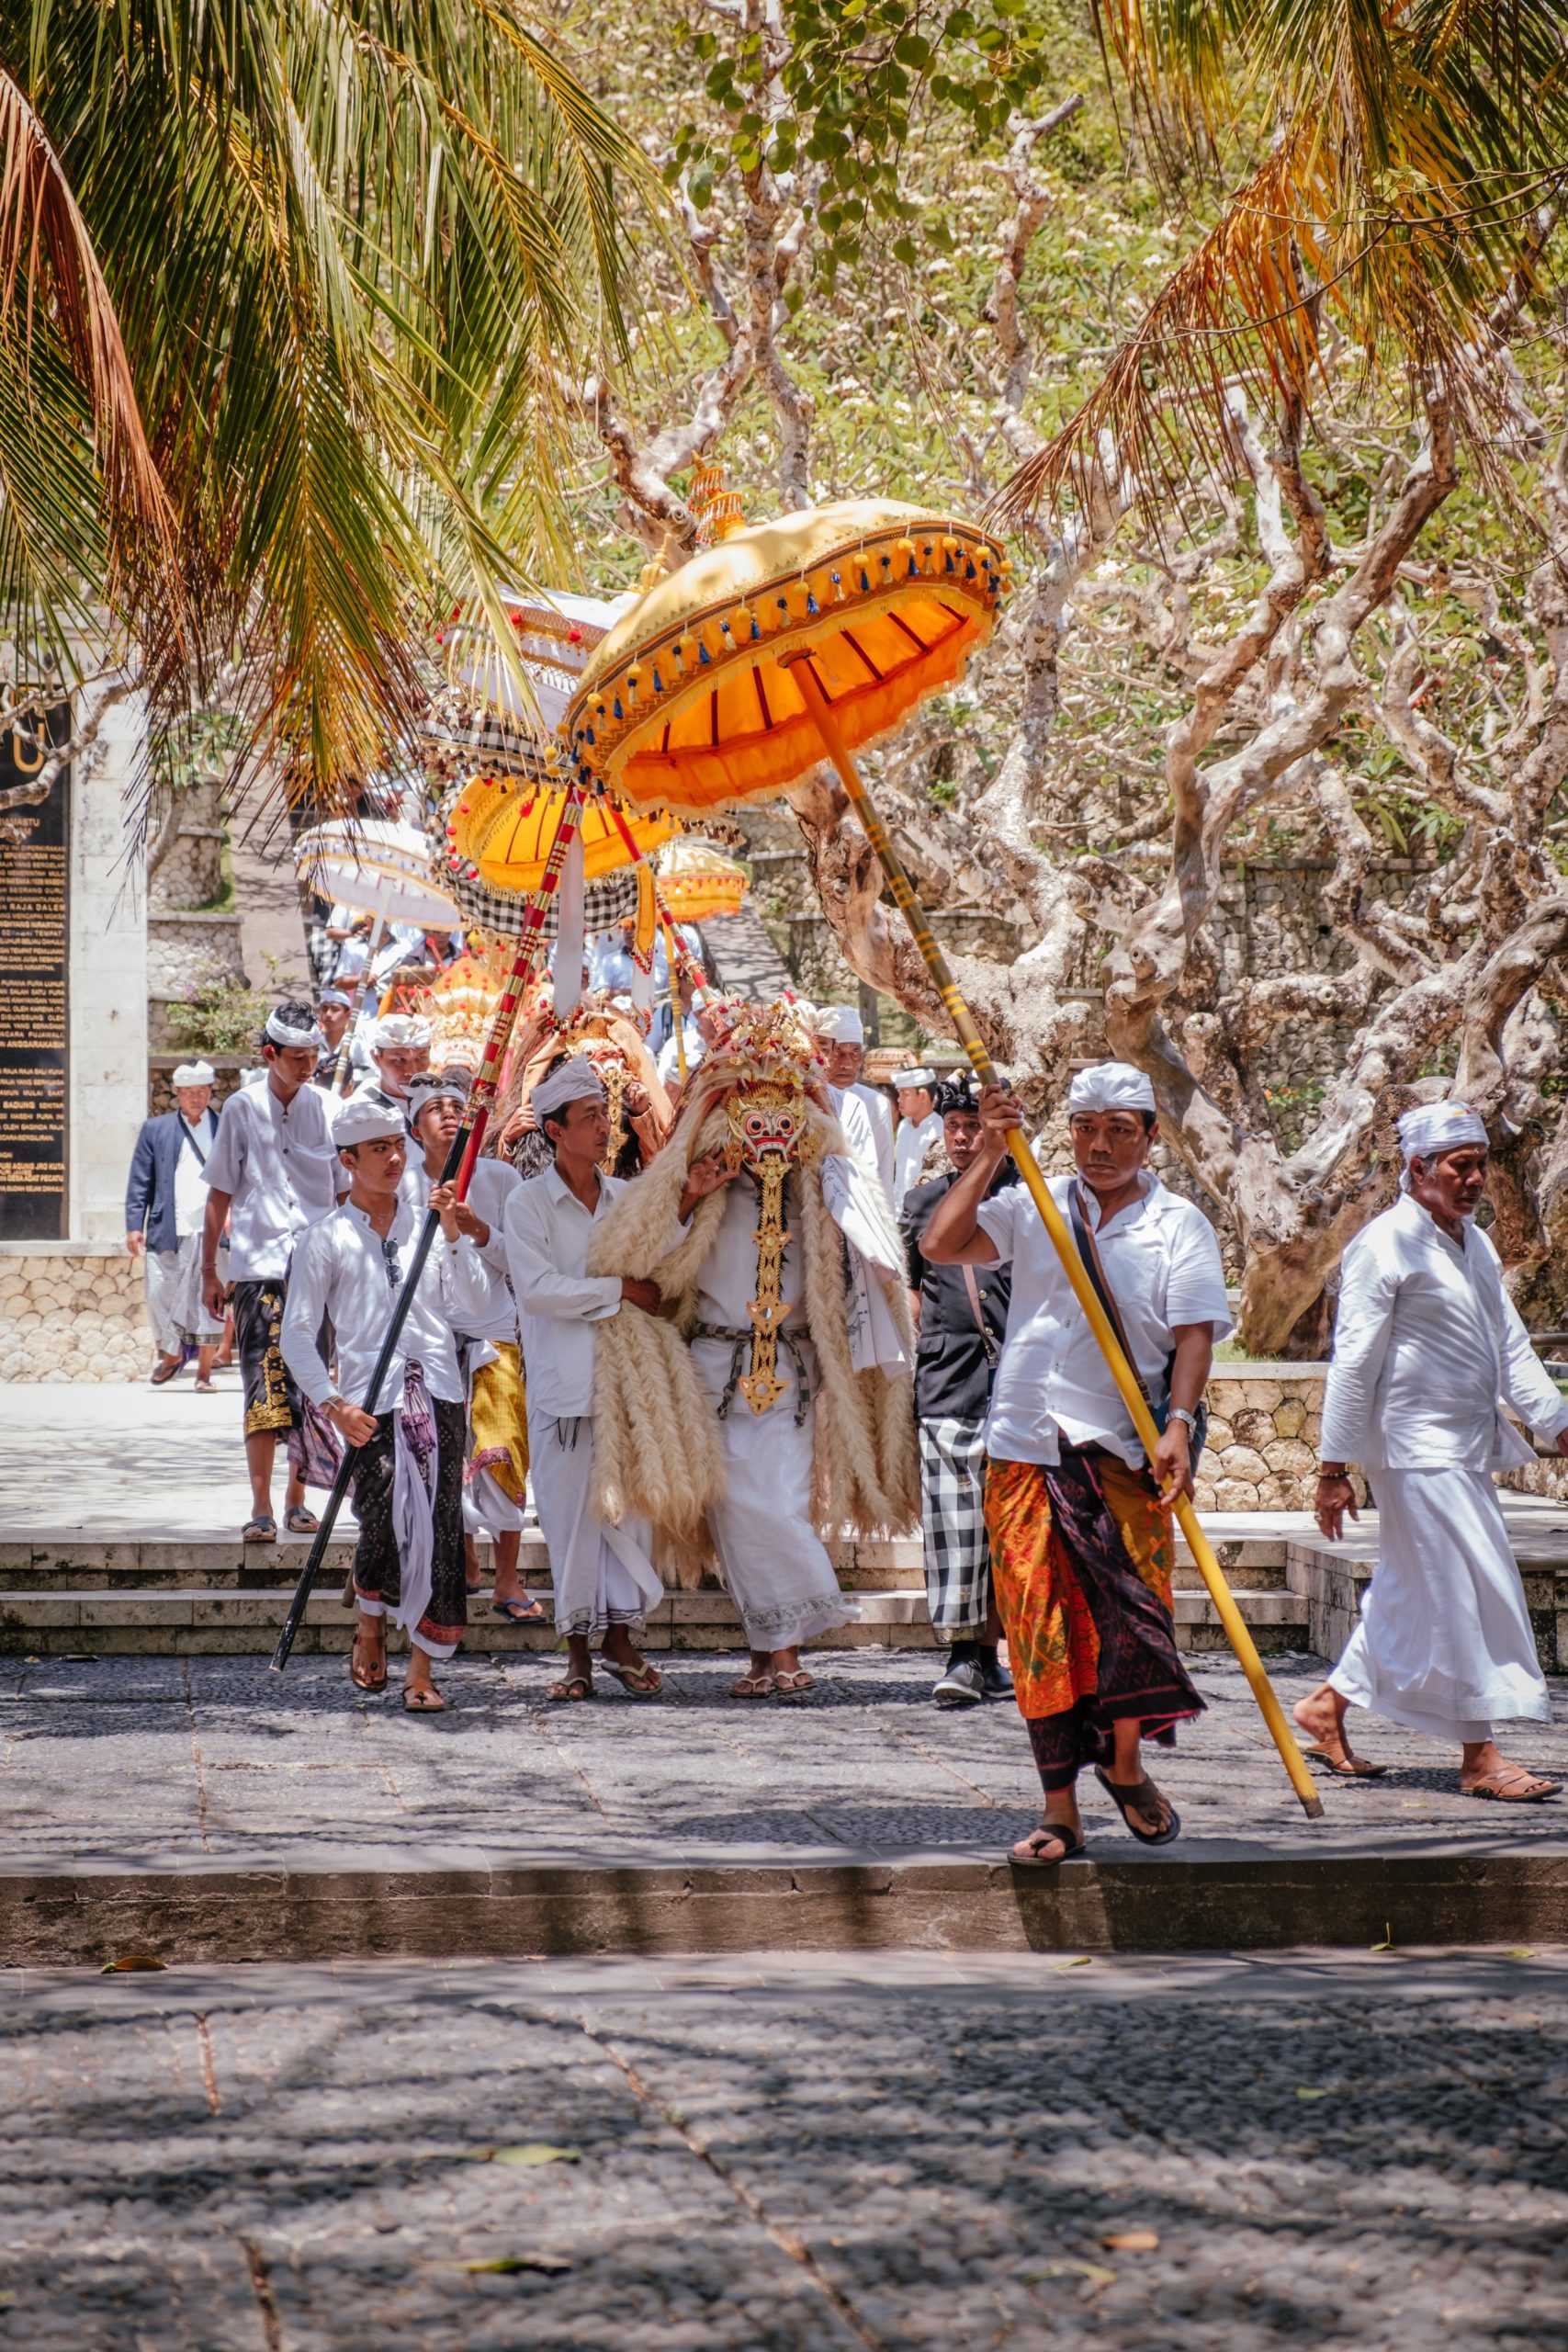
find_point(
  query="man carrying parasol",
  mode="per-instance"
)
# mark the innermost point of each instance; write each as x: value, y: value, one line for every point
x: 1079, y: 1526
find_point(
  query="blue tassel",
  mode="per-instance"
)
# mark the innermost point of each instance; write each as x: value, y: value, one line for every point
x: 969, y: 571
x: 756, y: 628
x: 704, y: 655
x: 619, y: 712
x: 658, y: 681
x: 590, y: 735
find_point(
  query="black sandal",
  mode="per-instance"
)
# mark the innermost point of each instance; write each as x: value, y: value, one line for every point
x: 1072, y: 1848
x: 1141, y: 1797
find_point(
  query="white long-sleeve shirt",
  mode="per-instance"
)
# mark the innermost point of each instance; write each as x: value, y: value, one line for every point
x: 1426, y: 1342
x: 910, y: 1144
x: 558, y: 1301
x: 492, y: 1185
x: 342, y: 1269
x: 879, y: 1118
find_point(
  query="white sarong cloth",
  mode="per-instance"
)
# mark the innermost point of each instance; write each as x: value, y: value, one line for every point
x: 602, y: 1575
x: 776, y: 1564
x: 1444, y: 1644
x: 173, y: 1297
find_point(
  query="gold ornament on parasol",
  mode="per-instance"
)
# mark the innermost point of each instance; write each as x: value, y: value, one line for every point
x: 697, y: 882
x: 810, y: 636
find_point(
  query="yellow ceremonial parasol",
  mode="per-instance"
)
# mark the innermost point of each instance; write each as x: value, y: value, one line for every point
x: 697, y: 882
x: 814, y: 635
x: 503, y: 828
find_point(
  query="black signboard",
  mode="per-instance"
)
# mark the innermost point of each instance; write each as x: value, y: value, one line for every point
x: 35, y: 942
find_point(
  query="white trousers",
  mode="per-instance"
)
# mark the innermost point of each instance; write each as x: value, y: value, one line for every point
x: 1445, y: 1642
x: 602, y: 1575
x: 173, y: 1297
x: 774, y: 1560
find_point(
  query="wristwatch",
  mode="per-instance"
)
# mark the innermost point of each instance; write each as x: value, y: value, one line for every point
x: 1180, y: 1413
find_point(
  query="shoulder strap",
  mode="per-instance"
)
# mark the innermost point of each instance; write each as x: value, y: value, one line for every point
x: 188, y: 1135
x: 1087, y: 1250
x: 978, y: 1312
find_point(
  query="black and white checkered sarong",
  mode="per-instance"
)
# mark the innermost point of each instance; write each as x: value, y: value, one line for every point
x: 958, y: 1559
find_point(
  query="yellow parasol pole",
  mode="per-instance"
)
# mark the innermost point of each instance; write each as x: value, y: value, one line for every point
x: 677, y: 1017
x: 963, y: 1020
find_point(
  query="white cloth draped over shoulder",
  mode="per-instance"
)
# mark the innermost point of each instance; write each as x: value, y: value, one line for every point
x: 1427, y: 1341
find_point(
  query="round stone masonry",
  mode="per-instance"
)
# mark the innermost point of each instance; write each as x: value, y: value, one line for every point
x: 74, y: 1315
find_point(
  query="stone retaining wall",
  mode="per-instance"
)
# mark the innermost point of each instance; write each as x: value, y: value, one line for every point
x: 73, y: 1314
x: 1263, y: 1429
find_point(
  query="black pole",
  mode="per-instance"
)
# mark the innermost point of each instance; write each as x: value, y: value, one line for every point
x: 401, y: 1307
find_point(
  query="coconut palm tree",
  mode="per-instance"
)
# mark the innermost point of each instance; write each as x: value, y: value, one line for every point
x: 1401, y: 165
x: 284, y: 296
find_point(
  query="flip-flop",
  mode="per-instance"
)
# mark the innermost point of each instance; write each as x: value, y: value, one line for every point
x: 259, y: 1530
x: 576, y: 1686
x: 1140, y: 1796
x: 1353, y: 1767
x: 1489, y: 1789
x: 1072, y: 1848
x: 371, y: 1683
x: 204, y: 1387
x: 643, y: 1681
x: 300, y: 1522
x: 423, y: 1702
x: 521, y: 1613
x: 795, y: 1685
x: 166, y: 1372
x: 753, y: 1686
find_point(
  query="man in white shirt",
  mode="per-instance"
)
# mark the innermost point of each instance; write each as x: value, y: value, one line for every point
x: 1079, y: 1526
x: 865, y: 1111
x: 701, y: 1019
x: 495, y: 1484
x: 271, y: 1173
x: 335, y: 1011
x: 165, y: 1201
x: 919, y: 1129
x: 1425, y: 1343
x: 605, y: 1580
x: 408, y: 1468
x: 399, y: 1049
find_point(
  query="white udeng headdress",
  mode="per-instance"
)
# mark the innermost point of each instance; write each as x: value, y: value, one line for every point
x: 278, y: 1032
x: 195, y: 1074
x: 364, y: 1120
x: 575, y: 1080
x: 1110, y: 1086
x: 1437, y: 1127
x: 400, y: 1029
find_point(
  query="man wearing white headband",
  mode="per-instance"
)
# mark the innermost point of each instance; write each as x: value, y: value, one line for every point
x: 399, y: 1047
x: 864, y: 1113
x: 699, y: 1026
x: 1078, y: 1522
x: 920, y: 1129
x: 408, y: 1463
x: 165, y: 1201
x: 334, y: 1012
x: 495, y: 1478
x: 271, y: 1173
x: 603, y: 1578
x: 1426, y: 1344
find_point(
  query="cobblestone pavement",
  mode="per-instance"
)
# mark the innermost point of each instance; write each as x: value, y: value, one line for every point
x: 822, y: 2155
x: 136, y: 1762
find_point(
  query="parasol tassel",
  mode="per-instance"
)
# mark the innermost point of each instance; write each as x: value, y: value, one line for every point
x: 644, y: 932
x: 570, y: 932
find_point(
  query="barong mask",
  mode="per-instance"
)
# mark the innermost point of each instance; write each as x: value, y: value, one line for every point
x: 770, y: 1058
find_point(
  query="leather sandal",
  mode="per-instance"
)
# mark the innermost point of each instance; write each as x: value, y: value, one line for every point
x: 371, y: 1681
x: 1026, y: 1854
x: 574, y: 1687
x: 1140, y: 1796
x: 642, y: 1681
x: 753, y: 1686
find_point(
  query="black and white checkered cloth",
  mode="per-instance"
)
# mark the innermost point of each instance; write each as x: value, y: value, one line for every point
x: 958, y: 1559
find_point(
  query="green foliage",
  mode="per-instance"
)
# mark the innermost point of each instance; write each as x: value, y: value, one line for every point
x: 220, y: 1014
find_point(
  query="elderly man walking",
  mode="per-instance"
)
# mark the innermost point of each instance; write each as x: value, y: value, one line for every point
x: 1425, y: 1343
x: 1079, y: 1525
x: 166, y: 1204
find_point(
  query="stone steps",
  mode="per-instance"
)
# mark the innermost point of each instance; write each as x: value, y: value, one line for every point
x: 223, y: 1565
x: 188, y: 1623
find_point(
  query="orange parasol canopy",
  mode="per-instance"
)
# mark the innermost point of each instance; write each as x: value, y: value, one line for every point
x: 503, y: 826
x: 689, y: 703
x: 698, y: 881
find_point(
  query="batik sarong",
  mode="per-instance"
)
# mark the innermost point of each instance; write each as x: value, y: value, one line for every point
x: 271, y: 1401
x: 407, y: 1496
x: 1081, y: 1560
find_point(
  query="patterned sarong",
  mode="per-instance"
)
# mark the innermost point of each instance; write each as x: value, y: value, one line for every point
x: 497, y: 1416
x: 1081, y: 1559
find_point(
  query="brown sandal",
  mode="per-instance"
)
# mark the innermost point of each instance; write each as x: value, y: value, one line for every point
x: 423, y: 1703
x: 371, y: 1681
x: 1353, y: 1767
x: 1027, y: 1855
x: 575, y: 1687
x: 1499, y: 1787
